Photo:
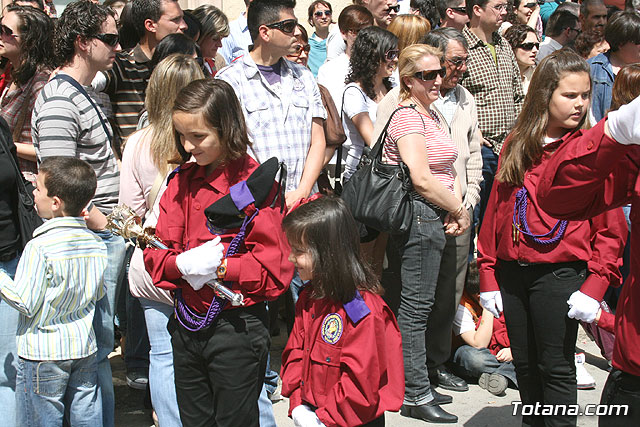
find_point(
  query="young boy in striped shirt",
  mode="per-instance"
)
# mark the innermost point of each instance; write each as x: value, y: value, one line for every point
x: 59, y: 279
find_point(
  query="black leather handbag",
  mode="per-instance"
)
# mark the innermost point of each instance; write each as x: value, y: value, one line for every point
x: 27, y: 214
x: 378, y: 194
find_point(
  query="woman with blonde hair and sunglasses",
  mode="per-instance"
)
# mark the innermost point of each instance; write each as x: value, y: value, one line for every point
x: 149, y: 155
x: 416, y: 137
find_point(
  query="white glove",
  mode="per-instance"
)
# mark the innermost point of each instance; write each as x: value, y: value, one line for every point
x: 624, y: 123
x: 303, y: 416
x: 198, y: 265
x: 582, y: 307
x: 492, y: 301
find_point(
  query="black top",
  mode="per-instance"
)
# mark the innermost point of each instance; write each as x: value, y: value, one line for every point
x: 9, y: 226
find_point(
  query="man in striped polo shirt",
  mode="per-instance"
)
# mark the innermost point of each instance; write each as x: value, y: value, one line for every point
x: 67, y: 121
x: 127, y: 80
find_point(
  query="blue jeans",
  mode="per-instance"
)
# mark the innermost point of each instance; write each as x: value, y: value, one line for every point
x: 161, y: 379
x: 8, y: 351
x: 50, y: 392
x: 472, y: 362
x: 265, y: 408
x: 103, y: 322
x: 420, y: 252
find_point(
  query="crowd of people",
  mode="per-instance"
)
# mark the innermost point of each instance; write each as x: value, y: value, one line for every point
x: 231, y: 140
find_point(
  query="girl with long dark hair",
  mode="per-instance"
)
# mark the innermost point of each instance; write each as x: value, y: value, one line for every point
x: 546, y: 273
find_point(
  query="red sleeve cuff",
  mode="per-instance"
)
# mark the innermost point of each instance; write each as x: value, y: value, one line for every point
x: 171, y: 269
x: 607, y: 321
x: 595, y: 286
x: 233, y: 270
x: 295, y: 400
x: 488, y: 282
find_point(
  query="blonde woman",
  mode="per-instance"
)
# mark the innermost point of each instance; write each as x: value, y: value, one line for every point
x: 416, y: 137
x: 148, y: 157
x: 214, y: 27
x: 409, y: 29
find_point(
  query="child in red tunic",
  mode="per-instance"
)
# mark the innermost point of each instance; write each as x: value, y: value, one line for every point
x: 343, y: 363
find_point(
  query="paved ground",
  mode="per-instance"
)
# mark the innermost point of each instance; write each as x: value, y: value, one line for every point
x: 474, y: 408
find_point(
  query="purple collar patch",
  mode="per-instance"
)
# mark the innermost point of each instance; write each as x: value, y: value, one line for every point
x: 241, y: 195
x: 356, y: 308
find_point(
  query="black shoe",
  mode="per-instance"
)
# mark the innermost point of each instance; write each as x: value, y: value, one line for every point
x: 441, y: 399
x: 430, y: 412
x: 448, y: 381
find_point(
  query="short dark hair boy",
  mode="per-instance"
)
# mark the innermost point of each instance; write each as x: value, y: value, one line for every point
x: 70, y: 179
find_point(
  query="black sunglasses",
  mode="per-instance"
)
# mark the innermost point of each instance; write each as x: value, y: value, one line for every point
x: 426, y: 75
x: 529, y: 46
x: 288, y: 26
x: 531, y: 5
x: 319, y: 13
x: 459, y: 9
x: 391, y: 54
x: 395, y: 8
x: 302, y: 48
x: 4, y: 30
x: 108, y: 38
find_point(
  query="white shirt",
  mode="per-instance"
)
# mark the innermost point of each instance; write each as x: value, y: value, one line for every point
x: 335, y: 44
x: 355, y: 102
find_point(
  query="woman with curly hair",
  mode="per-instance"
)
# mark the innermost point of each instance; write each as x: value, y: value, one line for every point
x: 525, y: 44
x: 374, y: 58
x: 25, y: 40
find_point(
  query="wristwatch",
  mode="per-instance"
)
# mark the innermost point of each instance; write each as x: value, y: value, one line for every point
x: 222, y: 269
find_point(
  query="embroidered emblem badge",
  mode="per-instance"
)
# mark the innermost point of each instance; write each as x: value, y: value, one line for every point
x: 332, y: 328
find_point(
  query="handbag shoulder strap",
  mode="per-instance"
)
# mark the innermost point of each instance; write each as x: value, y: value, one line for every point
x: 153, y: 193
x: 338, y: 173
x: 80, y: 89
x: 376, y: 150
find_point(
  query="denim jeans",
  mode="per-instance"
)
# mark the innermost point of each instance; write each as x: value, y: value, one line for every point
x: 131, y: 321
x: 420, y: 251
x: 489, y: 168
x: 8, y: 351
x: 161, y: 379
x: 472, y: 362
x: 103, y: 322
x: 265, y: 408
x: 50, y: 392
x: 542, y: 337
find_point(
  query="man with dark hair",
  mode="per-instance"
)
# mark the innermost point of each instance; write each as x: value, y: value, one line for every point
x: 494, y: 80
x: 126, y: 82
x: 562, y: 29
x: 623, y: 35
x: 67, y: 121
x: 453, y: 13
x: 427, y: 9
x: 280, y: 101
x: 593, y: 15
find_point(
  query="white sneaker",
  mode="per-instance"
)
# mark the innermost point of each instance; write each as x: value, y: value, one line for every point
x: 584, y: 380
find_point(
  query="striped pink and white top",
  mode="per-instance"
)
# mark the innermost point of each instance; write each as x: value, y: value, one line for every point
x: 441, y: 150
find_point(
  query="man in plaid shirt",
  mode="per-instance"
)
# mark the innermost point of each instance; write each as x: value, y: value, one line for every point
x: 280, y: 99
x: 493, y: 78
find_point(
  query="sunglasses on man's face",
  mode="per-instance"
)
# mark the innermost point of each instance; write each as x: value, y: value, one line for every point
x: 462, y: 10
x: 108, y: 38
x: 426, y: 75
x: 288, y: 26
x: 6, y: 31
x: 319, y: 13
x: 529, y: 46
x: 395, y: 8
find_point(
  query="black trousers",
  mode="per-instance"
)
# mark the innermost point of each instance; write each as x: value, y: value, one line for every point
x: 219, y: 370
x: 542, y: 337
x: 621, y: 389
